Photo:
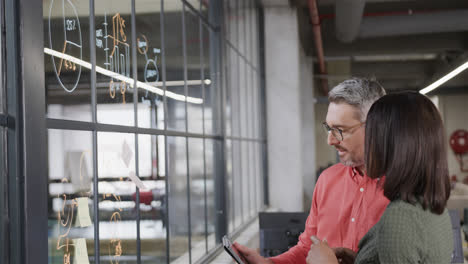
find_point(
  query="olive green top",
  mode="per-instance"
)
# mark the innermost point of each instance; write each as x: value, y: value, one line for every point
x: 407, y: 233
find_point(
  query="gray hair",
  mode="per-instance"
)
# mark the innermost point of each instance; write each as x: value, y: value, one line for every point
x: 358, y: 92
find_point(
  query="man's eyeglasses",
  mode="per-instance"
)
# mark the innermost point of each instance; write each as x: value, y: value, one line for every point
x: 338, y: 132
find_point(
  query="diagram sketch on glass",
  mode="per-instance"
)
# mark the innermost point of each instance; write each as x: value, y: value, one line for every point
x: 65, y: 37
x: 151, y: 73
x: 118, y: 55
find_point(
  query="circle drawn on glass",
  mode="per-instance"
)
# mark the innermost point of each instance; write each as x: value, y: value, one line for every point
x: 151, y: 73
x: 71, y: 44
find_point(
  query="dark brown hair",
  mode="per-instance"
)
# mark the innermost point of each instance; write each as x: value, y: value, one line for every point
x: 405, y: 142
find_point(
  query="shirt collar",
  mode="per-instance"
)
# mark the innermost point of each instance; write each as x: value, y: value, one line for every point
x: 356, y: 177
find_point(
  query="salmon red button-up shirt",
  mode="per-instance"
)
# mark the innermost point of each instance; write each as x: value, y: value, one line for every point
x: 345, y: 205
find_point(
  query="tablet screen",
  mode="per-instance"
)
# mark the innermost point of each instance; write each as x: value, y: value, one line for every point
x: 228, y: 247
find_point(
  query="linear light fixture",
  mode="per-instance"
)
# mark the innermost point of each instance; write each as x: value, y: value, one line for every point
x: 130, y: 81
x: 444, y: 79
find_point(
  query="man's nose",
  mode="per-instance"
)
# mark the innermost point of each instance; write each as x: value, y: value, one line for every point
x: 331, y: 140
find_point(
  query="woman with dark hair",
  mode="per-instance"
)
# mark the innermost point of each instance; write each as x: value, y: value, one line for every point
x: 404, y: 141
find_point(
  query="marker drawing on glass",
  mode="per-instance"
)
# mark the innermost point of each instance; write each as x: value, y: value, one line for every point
x: 69, y: 44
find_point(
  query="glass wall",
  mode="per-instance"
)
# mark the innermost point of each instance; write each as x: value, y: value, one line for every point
x: 243, y: 111
x: 154, y: 127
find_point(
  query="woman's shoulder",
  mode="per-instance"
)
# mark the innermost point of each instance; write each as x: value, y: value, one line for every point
x: 406, y: 218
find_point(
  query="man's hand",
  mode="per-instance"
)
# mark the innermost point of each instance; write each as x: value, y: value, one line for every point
x: 320, y: 253
x: 250, y: 256
x: 344, y: 255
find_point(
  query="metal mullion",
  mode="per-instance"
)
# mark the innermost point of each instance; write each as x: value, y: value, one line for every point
x: 88, y: 126
x: 203, y: 19
x: 92, y: 51
x: 222, y: 97
x: 15, y: 201
x: 184, y: 52
x: 246, y: 139
x: 246, y: 109
x: 262, y: 97
x: 135, y: 115
x: 251, y: 9
x: 202, y: 73
x: 166, y: 178
x: 220, y: 171
x: 4, y: 197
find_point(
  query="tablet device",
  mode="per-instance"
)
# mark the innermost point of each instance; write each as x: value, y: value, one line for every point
x: 228, y: 247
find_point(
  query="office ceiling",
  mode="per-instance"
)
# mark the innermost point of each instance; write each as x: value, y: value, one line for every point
x: 406, y: 45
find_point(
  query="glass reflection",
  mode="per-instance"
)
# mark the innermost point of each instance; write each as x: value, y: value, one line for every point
x: 198, y: 190
x: 152, y: 199
x: 70, y: 211
x: 230, y: 184
x: 208, y: 85
x: 211, y: 147
x: 149, y: 55
x: 66, y: 59
x: 178, y: 199
x: 194, y: 71
x: 117, y: 188
x: 114, y: 83
x: 174, y: 59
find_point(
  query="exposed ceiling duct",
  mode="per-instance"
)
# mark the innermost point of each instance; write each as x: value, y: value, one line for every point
x: 351, y: 23
x: 348, y: 16
x: 414, y: 23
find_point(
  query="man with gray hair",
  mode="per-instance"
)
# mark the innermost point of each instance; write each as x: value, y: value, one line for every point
x: 346, y: 203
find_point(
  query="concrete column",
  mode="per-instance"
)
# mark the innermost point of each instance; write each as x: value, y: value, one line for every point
x: 288, y: 117
x: 308, y: 128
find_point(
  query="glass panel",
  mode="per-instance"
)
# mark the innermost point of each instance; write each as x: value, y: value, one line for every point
x: 198, y: 191
x: 210, y: 146
x: 245, y: 180
x: 66, y: 59
x: 227, y: 90
x: 258, y: 177
x: 194, y: 71
x: 256, y: 40
x: 252, y: 179
x: 242, y: 98
x: 237, y: 182
x: 234, y: 89
x: 226, y: 18
x: 70, y: 199
x: 248, y: 30
x: 152, y: 199
x: 248, y: 101
x: 178, y: 200
x: 242, y: 27
x: 208, y: 84
x: 117, y: 207
x: 150, y: 89
x: 230, y: 185
x: 255, y: 104
x: 236, y: 23
x: 174, y: 65
x: 114, y: 81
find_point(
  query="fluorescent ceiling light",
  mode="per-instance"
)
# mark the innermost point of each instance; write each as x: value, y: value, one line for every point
x: 444, y: 79
x: 395, y: 57
x: 128, y: 80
